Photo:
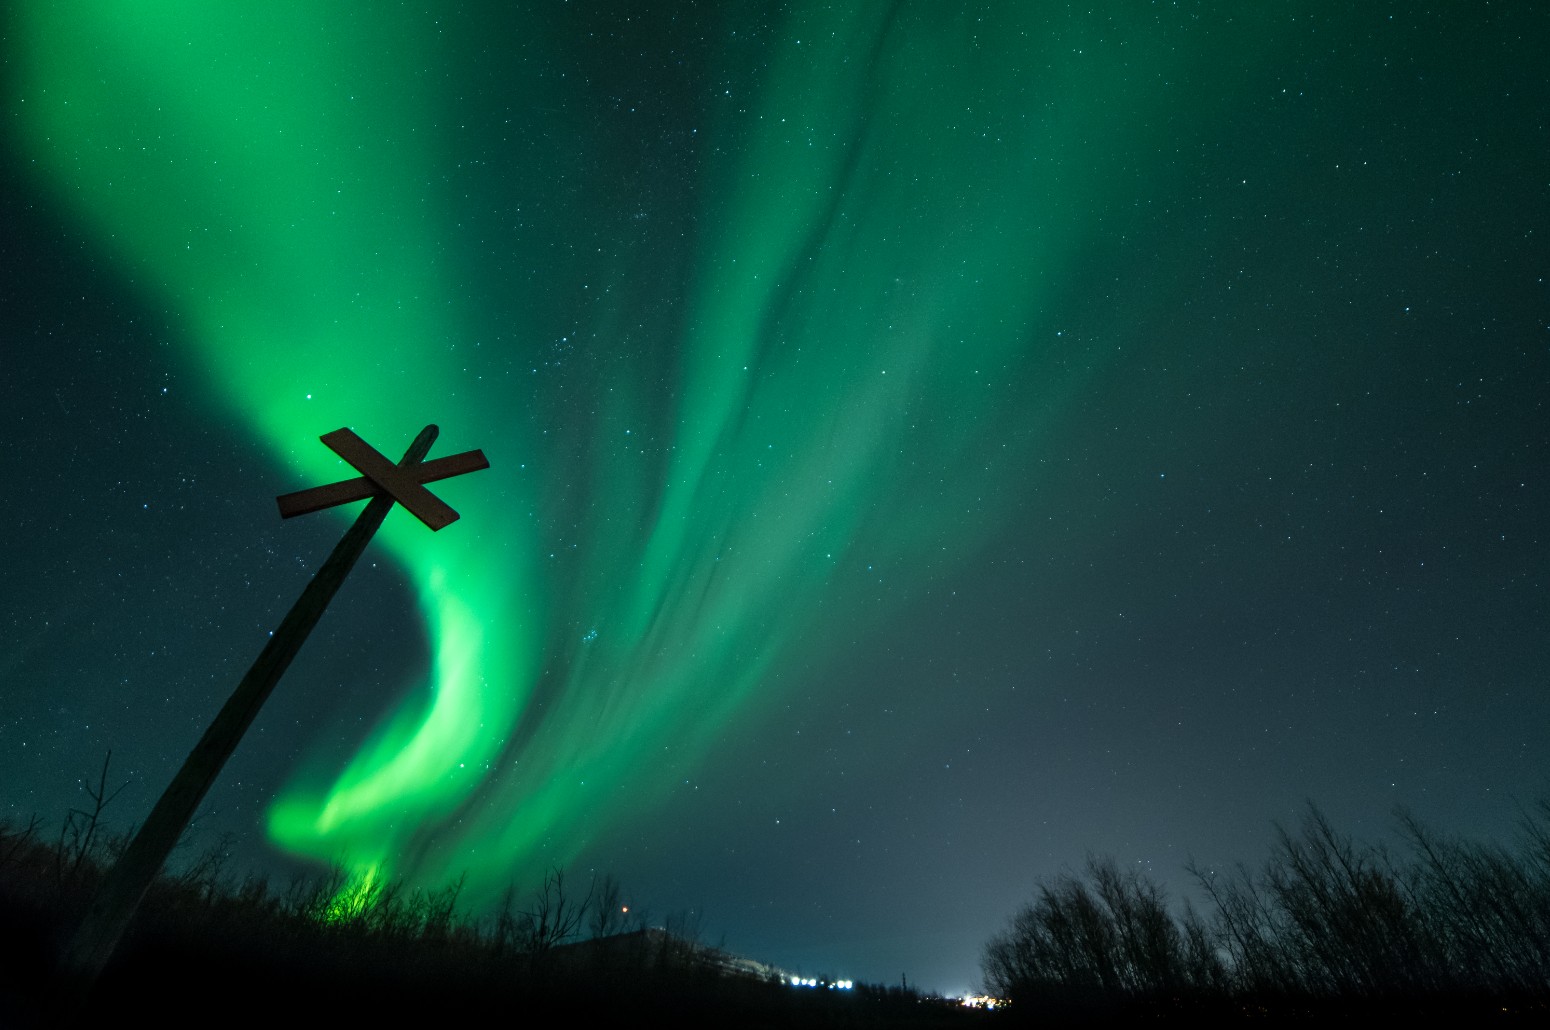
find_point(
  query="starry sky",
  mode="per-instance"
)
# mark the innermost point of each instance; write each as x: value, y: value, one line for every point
x: 930, y: 442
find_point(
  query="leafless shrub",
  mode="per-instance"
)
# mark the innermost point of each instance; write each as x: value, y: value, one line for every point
x: 1326, y: 920
x: 608, y: 914
x: 1109, y: 936
x: 14, y: 842
x: 552, y: 916
x: 83, y: 833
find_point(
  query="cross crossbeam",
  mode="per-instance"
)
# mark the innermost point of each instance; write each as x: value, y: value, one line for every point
x: 403, y: 483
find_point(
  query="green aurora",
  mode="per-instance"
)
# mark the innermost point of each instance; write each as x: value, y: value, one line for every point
x: 738, y: 347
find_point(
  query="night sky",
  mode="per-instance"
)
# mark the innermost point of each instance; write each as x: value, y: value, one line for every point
x: 930, y: 442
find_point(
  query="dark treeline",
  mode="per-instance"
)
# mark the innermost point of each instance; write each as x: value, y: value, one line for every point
x: 208, y: 947
x: 1438, y: 926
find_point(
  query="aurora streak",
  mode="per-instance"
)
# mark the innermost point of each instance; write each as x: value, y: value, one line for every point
x: 730, y: 369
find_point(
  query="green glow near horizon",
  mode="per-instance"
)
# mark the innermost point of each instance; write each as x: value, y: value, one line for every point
x: 885, y: 212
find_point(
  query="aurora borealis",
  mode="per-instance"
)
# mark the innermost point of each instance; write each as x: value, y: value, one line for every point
x: 929, y: 441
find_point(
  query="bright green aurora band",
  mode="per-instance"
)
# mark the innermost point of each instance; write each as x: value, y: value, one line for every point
x: 793, y: 337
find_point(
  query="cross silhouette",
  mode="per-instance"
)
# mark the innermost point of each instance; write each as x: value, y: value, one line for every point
x: 404, y: 483
x: 385, y: 483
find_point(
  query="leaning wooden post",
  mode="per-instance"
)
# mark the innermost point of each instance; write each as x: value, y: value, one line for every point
x: 126, y: 883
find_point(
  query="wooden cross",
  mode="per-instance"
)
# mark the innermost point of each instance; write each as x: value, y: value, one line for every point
x: 378, y: 474
x: 385, y: 483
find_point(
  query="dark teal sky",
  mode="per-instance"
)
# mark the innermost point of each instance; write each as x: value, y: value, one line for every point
x: 929, y: 443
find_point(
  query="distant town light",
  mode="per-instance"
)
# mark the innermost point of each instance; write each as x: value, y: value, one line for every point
x: 833, y: 985
x: 981, y: 1001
